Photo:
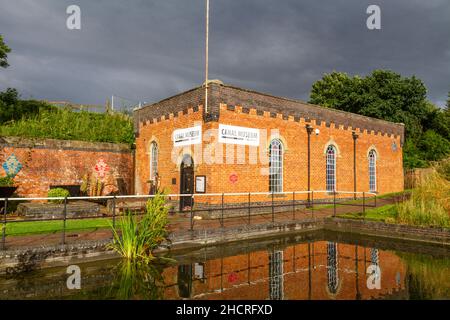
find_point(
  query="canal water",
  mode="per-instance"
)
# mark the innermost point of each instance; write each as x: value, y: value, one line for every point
x: 315, y: 266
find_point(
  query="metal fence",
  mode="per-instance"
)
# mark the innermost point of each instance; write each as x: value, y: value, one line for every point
x: 205, y: 212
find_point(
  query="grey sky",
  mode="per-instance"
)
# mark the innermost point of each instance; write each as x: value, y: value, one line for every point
x: 147, y: 50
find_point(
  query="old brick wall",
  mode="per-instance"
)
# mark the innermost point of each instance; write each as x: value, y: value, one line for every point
x: 278, y: 116
x: 49, y: 162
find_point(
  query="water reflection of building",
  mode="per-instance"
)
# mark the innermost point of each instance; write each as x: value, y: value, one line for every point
x: 276, y: 278
x: 332, y: 268
x: 319, y: 270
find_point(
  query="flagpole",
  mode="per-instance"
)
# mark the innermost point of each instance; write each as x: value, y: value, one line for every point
x: 206, y: 57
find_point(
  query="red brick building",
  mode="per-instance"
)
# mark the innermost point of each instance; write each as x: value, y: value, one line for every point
x: 254, y: 142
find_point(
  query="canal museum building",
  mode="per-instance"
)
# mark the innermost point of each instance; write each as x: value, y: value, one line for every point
x: 248, y: 141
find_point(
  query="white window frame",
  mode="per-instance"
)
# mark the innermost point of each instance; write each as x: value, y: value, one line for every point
x: 372, y: 157
x: 330, y: 182
x: 276, y: 177
x: 154, y: 153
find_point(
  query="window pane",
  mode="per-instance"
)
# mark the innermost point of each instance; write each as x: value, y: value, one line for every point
x: 331, y: 169
x: 275, y: 166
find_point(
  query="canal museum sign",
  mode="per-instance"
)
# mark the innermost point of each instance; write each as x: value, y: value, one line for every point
x: 272, y: 144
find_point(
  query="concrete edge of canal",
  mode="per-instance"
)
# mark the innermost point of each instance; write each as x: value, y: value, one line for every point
x: 33, y: 258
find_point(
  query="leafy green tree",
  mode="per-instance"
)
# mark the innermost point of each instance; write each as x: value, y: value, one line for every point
x: 12, y: 108
x: 4, y: 50
x: 434, y: 146
x: 387, y: 95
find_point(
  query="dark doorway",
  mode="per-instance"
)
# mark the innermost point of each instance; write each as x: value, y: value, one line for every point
x: 186, y: 182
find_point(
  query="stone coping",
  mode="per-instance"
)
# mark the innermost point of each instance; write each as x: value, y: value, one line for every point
x: 40, y: 143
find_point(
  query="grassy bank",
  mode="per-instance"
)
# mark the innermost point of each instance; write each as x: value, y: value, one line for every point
x: 68, y: 125
x: 428, y: 205
x: 48, y: 227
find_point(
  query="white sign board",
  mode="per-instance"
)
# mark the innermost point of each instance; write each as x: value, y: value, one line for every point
x: 188, y: 136
x: 238, y: 135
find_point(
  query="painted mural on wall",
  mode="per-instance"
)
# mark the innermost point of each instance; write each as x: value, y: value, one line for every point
x: 12, y: 165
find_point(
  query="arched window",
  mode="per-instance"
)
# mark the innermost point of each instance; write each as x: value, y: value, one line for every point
x: 331, y: 169
x: 276, y: 166
x: 372, y: 171
x: 153, y: 160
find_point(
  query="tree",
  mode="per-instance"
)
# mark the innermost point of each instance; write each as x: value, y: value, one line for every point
x: 12, y: 108
x: 387, y: 95
x: 448, y: 103
x: 4, y: 50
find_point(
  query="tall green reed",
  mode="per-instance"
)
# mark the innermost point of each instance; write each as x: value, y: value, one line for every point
x: 135, y: 238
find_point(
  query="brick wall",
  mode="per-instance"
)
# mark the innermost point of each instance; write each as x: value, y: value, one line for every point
x: 245, y: 108
x: 57, y: 162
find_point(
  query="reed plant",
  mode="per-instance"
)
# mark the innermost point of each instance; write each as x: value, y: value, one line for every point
x: 429, y: 203
x: 136, y: 237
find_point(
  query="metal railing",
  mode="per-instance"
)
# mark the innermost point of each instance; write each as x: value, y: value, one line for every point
x: 246, y: 208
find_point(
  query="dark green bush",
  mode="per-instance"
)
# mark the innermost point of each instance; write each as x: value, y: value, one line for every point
x: 6, y: 181
x: 57, y: 193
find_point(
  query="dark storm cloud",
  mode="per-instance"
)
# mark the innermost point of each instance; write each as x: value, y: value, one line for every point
x: 147, y: 50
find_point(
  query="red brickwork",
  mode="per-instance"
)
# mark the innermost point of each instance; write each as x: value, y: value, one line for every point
x: 55, y: 162
x: 285, y: 119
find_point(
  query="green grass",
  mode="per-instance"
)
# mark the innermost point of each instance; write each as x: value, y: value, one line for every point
x: 385, y: 213
x: 68, y: 125
x: 47, y: 227
x: 369, y: 199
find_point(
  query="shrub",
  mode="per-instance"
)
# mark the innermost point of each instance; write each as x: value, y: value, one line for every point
x: 444, y: 168
x: 429, y: 204
x: 57, y: 193
x: 138, y: 238
x: 6, y: 181
x: 92, y: 186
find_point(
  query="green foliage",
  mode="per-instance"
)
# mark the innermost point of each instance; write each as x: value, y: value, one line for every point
x: 4, y: 50
x: 136, y: 239
x: 433, y: 146
x: 12, y: 108
x: 428, y: 205
x: 68, y: 125
x: 389, y: 96
x: 443, y: 168
x: 137, y: 279
x: 57, y: 193
x: 6, y: 181
x: 448, y: 103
